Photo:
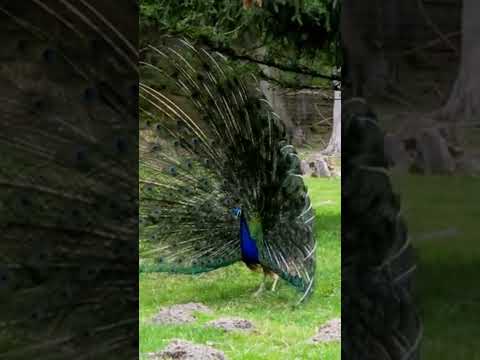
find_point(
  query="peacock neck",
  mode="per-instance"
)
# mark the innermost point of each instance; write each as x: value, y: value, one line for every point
x: 248, y: 244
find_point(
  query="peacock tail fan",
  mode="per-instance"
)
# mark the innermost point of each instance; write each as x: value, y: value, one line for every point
x: 211, y: 146
x: 68, y: 180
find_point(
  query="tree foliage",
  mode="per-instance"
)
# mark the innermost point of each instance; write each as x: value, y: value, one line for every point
x: 299, y: 34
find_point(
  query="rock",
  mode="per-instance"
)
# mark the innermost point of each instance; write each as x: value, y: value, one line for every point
x: 184, y: 350
x: 180, y: 314
x: 305, y: 167
x: 330, y: 331
x: 232, y: 324
x: 320, y: 168
x: 468, y: 165
x: 434, y: 154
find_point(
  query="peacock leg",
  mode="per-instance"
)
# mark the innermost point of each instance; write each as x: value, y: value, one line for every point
x: 262, y: 286
x: 275, y: 281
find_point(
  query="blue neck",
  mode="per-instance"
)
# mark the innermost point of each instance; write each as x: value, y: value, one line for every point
x: 247, y: 243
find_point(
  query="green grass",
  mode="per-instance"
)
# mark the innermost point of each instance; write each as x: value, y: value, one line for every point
x: 282, y: 332
x: 448, y: 264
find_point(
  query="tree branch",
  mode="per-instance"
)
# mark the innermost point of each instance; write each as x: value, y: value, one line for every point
x: 229, y: 52
x: 291, y: 85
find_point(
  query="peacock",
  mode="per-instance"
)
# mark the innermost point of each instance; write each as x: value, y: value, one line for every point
x: 379, y: 313
x: 219, y: 181
x: 68, y: 179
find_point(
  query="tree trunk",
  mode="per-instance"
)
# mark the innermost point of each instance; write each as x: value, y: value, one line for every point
x: 276, y: 100
x: 272, y: 94
x: 334, y: 146
x: 463, y: 104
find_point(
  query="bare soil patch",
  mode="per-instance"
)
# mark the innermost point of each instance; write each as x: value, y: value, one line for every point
x: 184, y: 350
x: 232, y: 324
x: 330, y: 331
x: 180, y: 314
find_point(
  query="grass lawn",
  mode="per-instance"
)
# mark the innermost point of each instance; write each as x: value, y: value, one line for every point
x: 282, y: 332
x: 443, y: 215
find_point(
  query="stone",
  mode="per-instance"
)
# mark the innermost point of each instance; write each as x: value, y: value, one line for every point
x: 305, y: 167
x: 321, y: 168
x: 468, y: 166
x: 434, y: 153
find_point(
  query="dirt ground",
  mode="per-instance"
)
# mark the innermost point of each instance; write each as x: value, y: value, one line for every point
x: 185, y: 350
x: 179, y: 314
x: 330, y: 331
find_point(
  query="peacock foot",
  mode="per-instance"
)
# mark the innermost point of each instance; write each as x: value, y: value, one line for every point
x: 260, y: 290
x: 275, y: 281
